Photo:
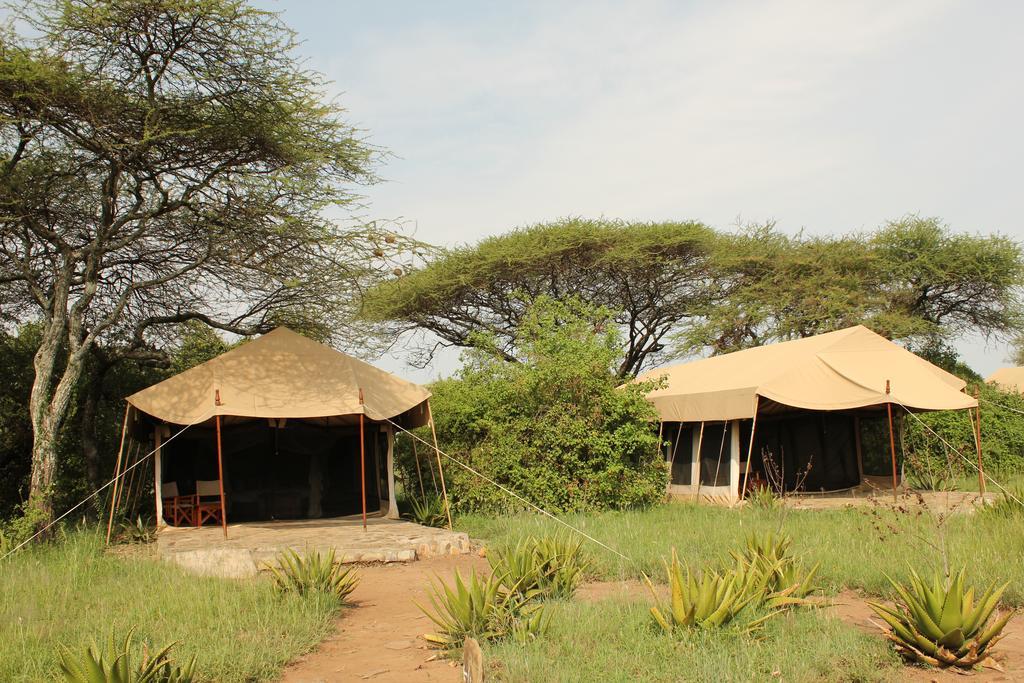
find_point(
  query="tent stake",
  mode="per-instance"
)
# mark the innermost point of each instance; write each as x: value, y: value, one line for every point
x: 220, y: 476
x: 977, y: 442
x: 750, y: 448
x: 440, y: 470
x: 117, y: 472
x: 362, y: 457
x: 892, y: 442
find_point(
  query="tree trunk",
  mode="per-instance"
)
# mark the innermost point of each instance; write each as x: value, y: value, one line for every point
x: 92, y: 391
x: 48, y: 409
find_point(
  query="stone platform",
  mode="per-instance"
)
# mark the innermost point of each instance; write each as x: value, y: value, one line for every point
x: 250, y: 545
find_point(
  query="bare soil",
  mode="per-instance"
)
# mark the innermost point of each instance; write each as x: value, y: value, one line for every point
x: 380, y: 638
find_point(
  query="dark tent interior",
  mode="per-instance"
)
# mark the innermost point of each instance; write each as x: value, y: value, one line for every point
x: 295, y: 471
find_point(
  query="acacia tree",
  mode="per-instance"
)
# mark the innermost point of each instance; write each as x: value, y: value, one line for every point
x: 655, y: 276
x: 164, y: 161
x: 912, y: 280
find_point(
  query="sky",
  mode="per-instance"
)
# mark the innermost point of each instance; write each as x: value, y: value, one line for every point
x: 828, y: 117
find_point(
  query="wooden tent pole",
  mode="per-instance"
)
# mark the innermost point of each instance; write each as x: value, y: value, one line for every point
x: 419, y: 472
x: 977, y: 441
x: 750, y: 448
x: 362, y: 456
x: 220, y: 475
x: 117, y: 472
x: 892, y: 441
x: 696, y: 457
x: 440, y: 470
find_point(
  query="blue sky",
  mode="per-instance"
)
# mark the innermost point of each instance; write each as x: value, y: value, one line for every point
x: 825, y: 116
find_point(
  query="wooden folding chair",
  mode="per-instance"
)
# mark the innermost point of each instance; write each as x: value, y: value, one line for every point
x: 208, y: 502
x: 181, y: 508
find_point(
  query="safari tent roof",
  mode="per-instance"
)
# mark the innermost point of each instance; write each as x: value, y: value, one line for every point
x: 281, y: 374
x: 839, y: 370
x: 1008, y: 379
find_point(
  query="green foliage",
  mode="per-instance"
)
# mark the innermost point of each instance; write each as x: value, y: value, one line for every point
x: 1009, y: 504
x: 943, y: 624
x: 550, y: 567
x: 787, y: 582
x: 428, y: 511
x: 1002, y: 439
x: 116, y: 664
x: 652, y: 275
x: 313, y: 574
x: 708, y: 598
x: 555, y: 428
x: 764, y: 498
x: 482, y: 609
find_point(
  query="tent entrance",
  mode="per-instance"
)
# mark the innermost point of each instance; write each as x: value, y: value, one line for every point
x: 279, y: 470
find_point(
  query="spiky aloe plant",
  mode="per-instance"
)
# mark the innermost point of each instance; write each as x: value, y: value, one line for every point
x: 788, y: 582
x: 705, y: 599
x: 482, y: 609
x: 548, y: 567
x: 313, y: 573
x: 428, y: 511
x: 117, y: 664
x: 943, y: 624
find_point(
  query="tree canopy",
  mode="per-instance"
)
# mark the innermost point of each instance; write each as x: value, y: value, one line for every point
x: 654, y: 276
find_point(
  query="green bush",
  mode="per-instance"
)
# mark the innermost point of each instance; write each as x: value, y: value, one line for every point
x: 554, y: 427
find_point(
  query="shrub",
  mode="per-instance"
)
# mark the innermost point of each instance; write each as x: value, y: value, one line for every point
x: 554, y: 427
x: 943, y: 625
x: 118, y: 664
x: 545, y: 568
x: 786, y: 581
x: 313, y: 573
x: 428, y: 511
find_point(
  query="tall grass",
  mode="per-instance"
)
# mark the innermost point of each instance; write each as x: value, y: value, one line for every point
x: 71, y: 593
x: 853, y: 551
x: 616, y: 640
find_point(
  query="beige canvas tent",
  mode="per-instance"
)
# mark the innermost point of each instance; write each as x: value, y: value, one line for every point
x: 287, y: 427
x: 795, y: 402
x: 1008, y: 379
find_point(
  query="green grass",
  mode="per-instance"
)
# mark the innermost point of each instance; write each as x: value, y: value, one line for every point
x: 71, y: 593
x: 616, y: 640
x: 852, y: 550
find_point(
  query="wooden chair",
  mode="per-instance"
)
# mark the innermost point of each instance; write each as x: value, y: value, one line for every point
x: 181, y: 508
x: 208, y: 502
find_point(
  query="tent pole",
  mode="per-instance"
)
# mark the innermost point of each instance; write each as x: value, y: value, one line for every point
x: 977, y: 442
x: 696, y: 458
x: 117, y: 471
x: 675, y: 447
x: 158, y: 471
x: 892, y: 441
x: 440, y: 470
x: 362, y: 456
x: 750, y: 448
x: 419, y: 472
x: 220, y: 476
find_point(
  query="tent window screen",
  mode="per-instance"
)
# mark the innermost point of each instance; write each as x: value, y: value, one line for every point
x: 817, y: 449
x: 679, y: 451
x: 714, y: 454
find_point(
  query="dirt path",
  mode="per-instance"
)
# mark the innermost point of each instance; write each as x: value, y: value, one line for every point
x: 379, y: 639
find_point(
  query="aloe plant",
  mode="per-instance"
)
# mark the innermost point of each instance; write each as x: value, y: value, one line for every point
x: 943, y: 624
x: 549, y: 567
x: 788, y: 582
x: 117, y: 664
x: 706, y: 599
x: 313, y: 573
x: 429, y: 511
x: 482, y: 609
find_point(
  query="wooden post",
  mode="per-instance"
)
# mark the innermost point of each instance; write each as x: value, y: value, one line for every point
x: 440, y: 469
x: 696, y: 464
x: 392, y: 500
x: 158, y: 471
x: 892, y: 441
x: 419, y: 472
x: 977, y: 441
x: 220, y: 475
x: 117, y: 472
x: 750, y: 448
x: 362, y: 457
